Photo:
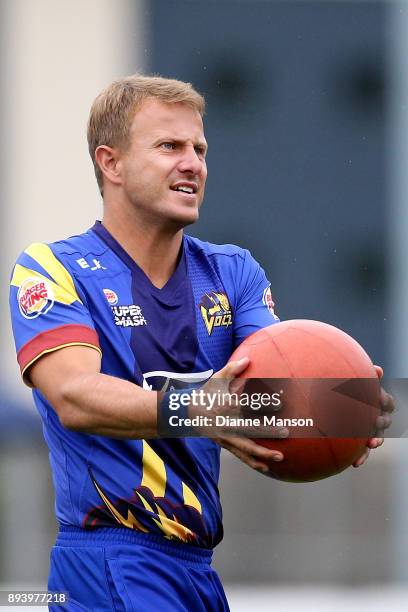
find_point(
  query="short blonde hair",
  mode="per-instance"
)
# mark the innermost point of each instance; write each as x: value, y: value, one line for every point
x: 113, y: 110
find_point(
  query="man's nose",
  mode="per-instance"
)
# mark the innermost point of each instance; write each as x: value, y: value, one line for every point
x: 190, y: 161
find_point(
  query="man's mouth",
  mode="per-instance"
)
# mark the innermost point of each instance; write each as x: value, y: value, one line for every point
x: 185, y: 187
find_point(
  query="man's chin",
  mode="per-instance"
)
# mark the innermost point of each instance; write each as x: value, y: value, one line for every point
x: 184, y: 218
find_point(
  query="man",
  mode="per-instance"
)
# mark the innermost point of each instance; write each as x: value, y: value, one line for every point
x: 105, y: 319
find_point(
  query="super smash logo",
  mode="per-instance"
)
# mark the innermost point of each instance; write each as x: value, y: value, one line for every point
x: 215, y: 311
x: 124, y: 316
x: 128, y: 316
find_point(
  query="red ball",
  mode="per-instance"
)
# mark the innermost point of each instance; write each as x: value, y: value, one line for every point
x: 302, y: 349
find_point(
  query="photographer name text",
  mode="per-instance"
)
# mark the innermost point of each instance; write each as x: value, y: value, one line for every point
x: 226, y: 421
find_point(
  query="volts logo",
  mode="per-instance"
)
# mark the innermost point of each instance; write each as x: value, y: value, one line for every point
x: 215, y: 310
x: 35, y: 297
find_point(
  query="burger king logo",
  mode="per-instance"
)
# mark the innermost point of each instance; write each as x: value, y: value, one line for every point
x: 35, y: 297
x: 268, y: 301
x: 111, y: 296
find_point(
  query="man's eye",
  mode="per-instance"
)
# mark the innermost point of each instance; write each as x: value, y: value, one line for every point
x: 200, y: 151
x: 168, y: 146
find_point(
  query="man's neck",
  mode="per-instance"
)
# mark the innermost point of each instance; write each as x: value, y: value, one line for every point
x: 155, y: 250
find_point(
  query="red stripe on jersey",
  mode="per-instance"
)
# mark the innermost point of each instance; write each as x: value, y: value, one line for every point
x: 53, y: 339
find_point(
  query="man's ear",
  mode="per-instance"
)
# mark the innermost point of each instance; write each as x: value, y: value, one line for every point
x: 109, y: 162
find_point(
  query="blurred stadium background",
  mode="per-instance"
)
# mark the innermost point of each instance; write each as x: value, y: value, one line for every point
x: 308, y: 132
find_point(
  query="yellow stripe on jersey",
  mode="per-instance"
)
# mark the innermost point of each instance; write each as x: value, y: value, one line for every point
x: 154, y: 478
x: 44, y: 256
x: 190, y: 499
x: 61, y: 293
x: 154, y: 471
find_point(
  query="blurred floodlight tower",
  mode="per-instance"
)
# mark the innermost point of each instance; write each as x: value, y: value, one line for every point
x: 56, y: 57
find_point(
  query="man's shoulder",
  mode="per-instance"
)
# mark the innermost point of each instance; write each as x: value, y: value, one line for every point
x: 87, y: 242
x: 64, y: 259
x: 235, y: 265
x: 209, y: 249
x: 74, y: 247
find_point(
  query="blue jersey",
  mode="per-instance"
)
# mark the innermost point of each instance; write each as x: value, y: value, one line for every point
x: 87, y: 290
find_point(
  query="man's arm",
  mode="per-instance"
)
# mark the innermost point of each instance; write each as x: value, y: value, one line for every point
x: 94, y: 403
x: 90, y: 402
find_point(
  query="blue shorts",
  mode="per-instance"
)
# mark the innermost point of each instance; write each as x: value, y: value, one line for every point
x: 121, y: 570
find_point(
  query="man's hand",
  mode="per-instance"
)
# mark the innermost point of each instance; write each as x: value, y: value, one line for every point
x: 383, y: 421
x: 248, y: 451
x: 251, y: 453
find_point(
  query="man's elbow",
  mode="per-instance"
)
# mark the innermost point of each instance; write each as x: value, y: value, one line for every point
x: 67, y: 407
x: 71, y: 419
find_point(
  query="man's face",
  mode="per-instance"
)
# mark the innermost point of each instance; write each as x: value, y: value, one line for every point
x: 164, y: 168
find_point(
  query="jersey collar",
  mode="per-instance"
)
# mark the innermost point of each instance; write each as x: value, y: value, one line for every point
x: 172, y: 284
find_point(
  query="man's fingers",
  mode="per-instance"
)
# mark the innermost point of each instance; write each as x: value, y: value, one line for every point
x: 250, y: 453
x: 251, y: 431
x: 387, y: 403
x: 233, y: 368
x: 379, y: 370
x: 237, y: 385
x: 248, y: 459
x: 375, y: 442
x: 382, y: 422
x: 251, y: 448
x: 362, y: 459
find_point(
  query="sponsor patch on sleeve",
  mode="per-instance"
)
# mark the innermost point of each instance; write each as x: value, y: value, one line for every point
x: 268, y: 301
x: 35, y: 297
